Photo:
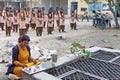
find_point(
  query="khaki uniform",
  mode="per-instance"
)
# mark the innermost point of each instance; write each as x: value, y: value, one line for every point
x: 8, y: 26
x: 85, y: 16
x: 15, y: 24
x: 39, y: 26
x: 57, y: 19
x: 27, y: 23
x: 62, y: 25
x: 32, y: 22
x: 50, y: 26
x: 22, y: 24
x: 2, y: 22
x: 73, y: 23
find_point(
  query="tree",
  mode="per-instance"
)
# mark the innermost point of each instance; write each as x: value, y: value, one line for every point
x: 111, y: 4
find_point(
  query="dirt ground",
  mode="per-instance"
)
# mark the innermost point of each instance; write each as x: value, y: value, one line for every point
x: 86, y: 34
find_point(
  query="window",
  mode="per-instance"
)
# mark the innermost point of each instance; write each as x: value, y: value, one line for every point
x: 83, y: 9
x: 105, y: 7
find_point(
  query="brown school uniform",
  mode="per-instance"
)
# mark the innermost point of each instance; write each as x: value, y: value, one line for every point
x: 85, y: 15
x: 53, y: 20
x: 44, y: 18
x: 58, y: 18
x: 15, y: 23
x: 2, y: 21
x: 8, y: 25
x: 39, y: 26
x: 22, y: 24
x: 62, y: 24
x: 73, y: 23
x: 50, y: 25
x: 27, y: 22
x: 32, y: 21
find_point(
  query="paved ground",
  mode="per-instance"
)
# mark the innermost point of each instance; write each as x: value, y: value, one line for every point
x: 86, y: 34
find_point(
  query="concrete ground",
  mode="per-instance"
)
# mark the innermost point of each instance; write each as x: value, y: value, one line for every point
x: 86, y: 34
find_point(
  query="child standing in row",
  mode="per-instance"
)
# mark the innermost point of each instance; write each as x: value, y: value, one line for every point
x: 50, y: 23
x: 39, y: 24
x: 73, y: 21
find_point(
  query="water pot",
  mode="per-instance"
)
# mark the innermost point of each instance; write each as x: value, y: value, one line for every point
x: 54, y: 57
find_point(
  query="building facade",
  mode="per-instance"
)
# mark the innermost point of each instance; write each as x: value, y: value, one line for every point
x: 18, y: 3
x: 12, y: 3
x: 101, y: 5
x: 55, y: 3
x: 80, y: 5
x: 67, y: 5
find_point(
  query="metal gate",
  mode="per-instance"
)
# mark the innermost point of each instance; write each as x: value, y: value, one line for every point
x: 104, y: 65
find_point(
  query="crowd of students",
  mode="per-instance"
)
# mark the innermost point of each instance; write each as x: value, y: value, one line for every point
x: 13, y: 21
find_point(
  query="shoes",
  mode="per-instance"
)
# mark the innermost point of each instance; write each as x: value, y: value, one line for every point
x: 13, y: 77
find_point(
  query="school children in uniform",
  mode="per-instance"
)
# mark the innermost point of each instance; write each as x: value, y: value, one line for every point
x: 50, y: 23
x: 39, y: 24
x: 62, y: 23
x: 27, y: 15
x: 27, y: 22
x: 57, y: 16
x: 44, y: 15
x: 15, y: 21
x: 8, y: 23
x: 73, y: 21
x: 2, y: 20
x: 32, y: 21
x: 22, y: 22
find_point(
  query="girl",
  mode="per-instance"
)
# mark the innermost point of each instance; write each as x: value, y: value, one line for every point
x: 1, y: 20
x: 8, y: 23
x: 58, y: 17
x: 62, y: 23
x: 32, y: 21
x: 22, y: 21
x: 39, y: 24
x: 50, y: 23
x: 72, y: 21
x: 15, y: 21
x: 27, y: 22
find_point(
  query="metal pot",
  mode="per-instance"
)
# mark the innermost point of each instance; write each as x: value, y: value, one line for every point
x: 54, y: 57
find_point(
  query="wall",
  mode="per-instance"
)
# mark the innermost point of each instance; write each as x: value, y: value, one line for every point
x: 33, y: 3
x: 81, y: 4
x: 54, y: 3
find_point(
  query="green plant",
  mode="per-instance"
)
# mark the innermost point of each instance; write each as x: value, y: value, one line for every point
x: 75, y: 47
x: 87, y: 53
